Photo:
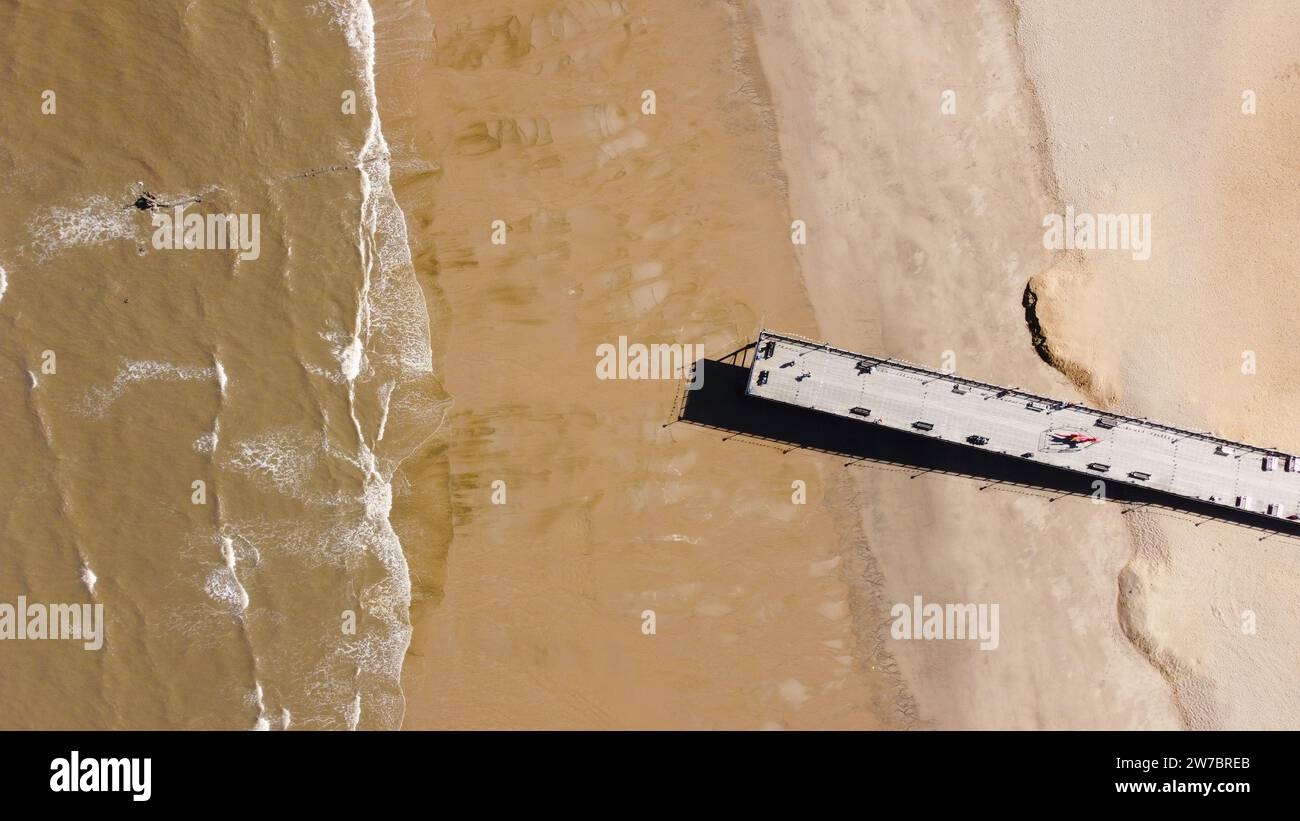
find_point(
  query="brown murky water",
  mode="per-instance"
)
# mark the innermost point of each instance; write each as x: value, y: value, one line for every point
x: 288, y: 375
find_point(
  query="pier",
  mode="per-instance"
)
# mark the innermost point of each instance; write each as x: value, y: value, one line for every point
x: 1098, y: 444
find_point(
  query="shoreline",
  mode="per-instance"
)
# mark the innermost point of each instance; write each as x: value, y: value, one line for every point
x: 419, y: 513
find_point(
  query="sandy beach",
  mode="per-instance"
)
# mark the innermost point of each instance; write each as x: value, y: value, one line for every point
x: 931, y: 229
x: 1200, y: 134
x: 921, y: 143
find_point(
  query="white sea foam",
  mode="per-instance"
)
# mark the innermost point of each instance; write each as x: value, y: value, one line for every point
x: 207, y: 442
x: 282, y: 458
x: 221, y: 375
x: 389, y: 338
x: 97, y: 219
x: 331, y: 374
x: 4, y: 283
x: 88, y: 578
x: 354, y: 712
x: 222, y: 587
x: 98, y: 400
x: 379, y: 499
x: 223, y: 584
x: 385, y: 399
x: 351, y: 359
x: 315, y: 542
x: 262, y: 723
x: 249, y: 552
x: 228, y: 552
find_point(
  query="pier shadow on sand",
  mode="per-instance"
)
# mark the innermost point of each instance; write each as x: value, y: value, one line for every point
x: 720, y: 403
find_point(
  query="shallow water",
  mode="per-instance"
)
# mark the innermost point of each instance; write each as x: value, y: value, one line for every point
x: 289, y: 376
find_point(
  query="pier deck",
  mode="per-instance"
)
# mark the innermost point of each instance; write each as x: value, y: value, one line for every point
x: 900, y: 395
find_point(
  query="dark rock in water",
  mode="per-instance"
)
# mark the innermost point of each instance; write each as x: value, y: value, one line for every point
x: 148, y: 202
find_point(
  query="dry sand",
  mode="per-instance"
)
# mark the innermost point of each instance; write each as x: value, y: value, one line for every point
x: 924, y: 229
x: 1144, y: 107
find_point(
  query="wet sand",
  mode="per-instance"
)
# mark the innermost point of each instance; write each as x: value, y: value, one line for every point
x: 668, y: 227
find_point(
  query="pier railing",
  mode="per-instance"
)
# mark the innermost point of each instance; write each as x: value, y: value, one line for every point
x: 1048, y: 403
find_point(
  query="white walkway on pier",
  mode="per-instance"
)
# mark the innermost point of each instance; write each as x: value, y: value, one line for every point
x: 899, y: 395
